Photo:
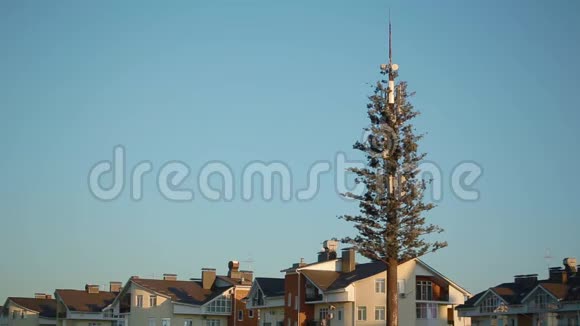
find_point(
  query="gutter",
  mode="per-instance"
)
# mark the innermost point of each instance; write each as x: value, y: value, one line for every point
x: 298, y: 300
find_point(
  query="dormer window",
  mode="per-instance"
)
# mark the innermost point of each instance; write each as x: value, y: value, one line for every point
x: 258, y: 298
x: 312, y: 292
x: 541, y: 300
x: 424, y: 290
x: 222, y: 304
x: 490, y: 303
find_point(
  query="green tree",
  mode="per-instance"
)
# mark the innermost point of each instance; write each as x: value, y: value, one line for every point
x: 391, y: 224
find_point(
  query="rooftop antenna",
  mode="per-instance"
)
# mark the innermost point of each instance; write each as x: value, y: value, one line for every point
x: 391, y: 68
x: 249, y: 261
x: 390, y: 41
x: 548, y: 257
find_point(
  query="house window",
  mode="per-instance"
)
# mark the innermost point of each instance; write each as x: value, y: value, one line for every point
x: 323, y: 313
x: 166, y: 322
x: 139, y: 301
x: 258, y: 298
x: 289, y: 299
x: 151, y: 321
x: 153, y: 301
x: 188, y: 322
x: 221, y: 304
x: 14, y: 314
x: 380, y: 285
x: 426, y: 311
x: 340, y: 312
x: 212, y: 322
x: 424, y: 290
x: 251, y: 313
x: 490, y: 303
x: 541, y: 300
x: 362, y: 313
x: 240, y: 315
x: 380, y: 313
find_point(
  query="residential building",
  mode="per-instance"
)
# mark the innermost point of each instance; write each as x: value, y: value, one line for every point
x: 266, y: 299
x: 86, y: 307
x: 213, y: 300
x: 40, y: 310
x: 241, y: 280
x: 339, y: 292
x: 527, y: 301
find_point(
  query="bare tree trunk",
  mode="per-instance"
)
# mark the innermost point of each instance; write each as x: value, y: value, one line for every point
x: 392, y: 293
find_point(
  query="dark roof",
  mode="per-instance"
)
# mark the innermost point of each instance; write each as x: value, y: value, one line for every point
x: 45, y: 307
x: 189, y: 292
x: 271, y: 287
x: 330, y: 280
x: 81, y: 300
x: 233, y: 281
x: 361, y: 272
x: 514, y: 293
x: 557, y: 290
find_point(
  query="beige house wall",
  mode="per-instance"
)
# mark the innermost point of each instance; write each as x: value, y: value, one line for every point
x: 345, y: 308
x: 198, y: 320
x: 366, y: 296
x: 271, y: 315
x: 140, y: 316
x: 31, y: 318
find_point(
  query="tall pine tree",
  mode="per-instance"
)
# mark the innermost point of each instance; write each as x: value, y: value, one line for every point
x: 391, y: 224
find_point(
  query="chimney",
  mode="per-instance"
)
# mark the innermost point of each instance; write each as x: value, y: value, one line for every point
x: 234, y: 270
x: 558, y: 275
x: 348, y: 260
x: 170, y: 277
x: 40, y: 296
x: 570, y: 266
x: 115, y: 287
x: 526, y: 281
x: 208, y: 276
x: 92, y: 288
x: 247, y: 276
x: 322, y: 256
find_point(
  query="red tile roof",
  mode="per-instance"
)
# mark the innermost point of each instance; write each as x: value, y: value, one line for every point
x: 45, y: 307
x: 81, y: 300
x: 189, y: 292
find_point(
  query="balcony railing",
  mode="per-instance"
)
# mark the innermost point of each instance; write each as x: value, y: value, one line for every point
x: 314, y: 298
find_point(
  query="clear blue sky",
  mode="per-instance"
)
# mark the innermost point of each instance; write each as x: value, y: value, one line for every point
x: 496, y: 82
